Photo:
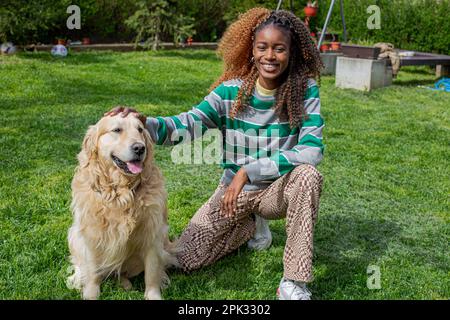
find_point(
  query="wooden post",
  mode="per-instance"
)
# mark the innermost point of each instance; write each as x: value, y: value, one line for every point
x: 442, y: 70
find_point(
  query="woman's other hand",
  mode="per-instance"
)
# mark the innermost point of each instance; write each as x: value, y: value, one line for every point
x: 229, y: 199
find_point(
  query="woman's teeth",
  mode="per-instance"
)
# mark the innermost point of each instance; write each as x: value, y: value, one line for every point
x: 269, y: 66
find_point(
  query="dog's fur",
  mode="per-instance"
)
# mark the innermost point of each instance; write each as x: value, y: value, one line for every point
x: 119, y: 218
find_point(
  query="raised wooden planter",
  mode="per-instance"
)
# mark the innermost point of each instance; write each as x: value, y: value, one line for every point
x: 354, y: 51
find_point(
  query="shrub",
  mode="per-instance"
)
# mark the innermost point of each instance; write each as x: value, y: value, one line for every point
x: 409, y: 24
x: 25, y: 22
x: 29, y: 21
x: 155, y: 19
x: 421, y: 25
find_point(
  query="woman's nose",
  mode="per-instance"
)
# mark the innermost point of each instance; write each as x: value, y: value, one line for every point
x: 270, y: 54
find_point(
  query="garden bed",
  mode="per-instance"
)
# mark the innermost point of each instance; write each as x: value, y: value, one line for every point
x: 121, y: 46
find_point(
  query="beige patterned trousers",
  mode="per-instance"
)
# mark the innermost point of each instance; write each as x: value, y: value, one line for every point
x: 295, y: 196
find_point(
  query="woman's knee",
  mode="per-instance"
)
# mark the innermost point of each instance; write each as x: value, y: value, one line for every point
x: 306, y: 174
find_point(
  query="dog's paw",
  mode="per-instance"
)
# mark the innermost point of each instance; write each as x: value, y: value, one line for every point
x: 73, y: 282
x: 91, y: 292
x: 152, y: 294
x: 126, y: 283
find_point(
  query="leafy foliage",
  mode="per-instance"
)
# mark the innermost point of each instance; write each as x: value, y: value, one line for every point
x: 28, y: 21
x: 416, y: 25
x: 421, y: 25
x: 154, y: 18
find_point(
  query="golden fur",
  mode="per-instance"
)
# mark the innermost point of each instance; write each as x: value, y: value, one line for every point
x: 119, y: 218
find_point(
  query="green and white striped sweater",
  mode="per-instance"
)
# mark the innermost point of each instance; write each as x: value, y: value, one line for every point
x: 255, y: 139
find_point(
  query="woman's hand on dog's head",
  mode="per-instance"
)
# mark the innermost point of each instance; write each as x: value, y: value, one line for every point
x: 124, y: 111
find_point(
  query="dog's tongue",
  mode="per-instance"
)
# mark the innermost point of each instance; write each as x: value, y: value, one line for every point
x: 134, y: 167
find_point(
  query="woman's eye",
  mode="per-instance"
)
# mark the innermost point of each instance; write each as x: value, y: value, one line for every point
x: 140, y: 129
x: 279, y: 49
x: 117, y: 130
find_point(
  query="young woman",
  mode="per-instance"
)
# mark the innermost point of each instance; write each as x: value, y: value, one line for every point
x: 266, y: 104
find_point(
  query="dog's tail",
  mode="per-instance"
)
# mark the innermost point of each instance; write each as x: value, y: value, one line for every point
x: 173, y: 249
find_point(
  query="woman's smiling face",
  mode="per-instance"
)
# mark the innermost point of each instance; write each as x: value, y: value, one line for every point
x: 271, y: 50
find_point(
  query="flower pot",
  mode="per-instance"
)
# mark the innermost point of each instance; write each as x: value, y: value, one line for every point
x: 62, y: 42
x: 324, y: 47
x: 310, y: 11
x: 335, y: 46
x: 86, y: 40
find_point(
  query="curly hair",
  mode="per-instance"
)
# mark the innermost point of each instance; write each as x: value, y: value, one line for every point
x: 235, y: 47
x: 236, y: 50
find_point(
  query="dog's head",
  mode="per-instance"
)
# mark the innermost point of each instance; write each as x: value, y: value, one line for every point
x: 117, y: 141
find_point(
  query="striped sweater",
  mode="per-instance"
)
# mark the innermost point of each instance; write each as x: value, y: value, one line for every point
x: 255, y: 139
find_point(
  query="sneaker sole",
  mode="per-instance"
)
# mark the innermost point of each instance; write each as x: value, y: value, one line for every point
x: 279, y: 295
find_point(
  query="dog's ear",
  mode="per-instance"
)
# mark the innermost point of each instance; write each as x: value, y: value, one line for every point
x: 89, y: 146
x: 148, y: 142
x: 148, y: 163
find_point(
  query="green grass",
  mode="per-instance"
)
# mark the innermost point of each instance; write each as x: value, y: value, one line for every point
x: 385, y: 200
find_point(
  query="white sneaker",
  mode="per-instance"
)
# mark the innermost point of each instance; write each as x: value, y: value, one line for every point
x: 263, y: 237
x: 293, y: 290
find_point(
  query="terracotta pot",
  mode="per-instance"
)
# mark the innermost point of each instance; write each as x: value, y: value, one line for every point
x: 310, y: 11
x: 62, y: 41
x: 335, y: 46
x: 86, y: 41
x: 324, y: 47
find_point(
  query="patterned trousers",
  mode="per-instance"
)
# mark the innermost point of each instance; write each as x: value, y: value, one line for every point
x: 295, y: 196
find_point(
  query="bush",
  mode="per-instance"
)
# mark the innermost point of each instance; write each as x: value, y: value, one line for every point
x: 29, y: 21
x: 25, y: 22
x: 208, y: 16
x: 421, y: 25
x: 154, y: 19
x: 409, y: 24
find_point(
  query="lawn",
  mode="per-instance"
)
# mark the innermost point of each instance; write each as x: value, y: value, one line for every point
x: 385, y: 201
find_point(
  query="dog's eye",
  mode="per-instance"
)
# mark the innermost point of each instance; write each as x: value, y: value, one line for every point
x: 140, y: 129
x: 117, y: 130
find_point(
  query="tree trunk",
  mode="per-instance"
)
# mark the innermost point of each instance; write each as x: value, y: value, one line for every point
x: 155, y: 43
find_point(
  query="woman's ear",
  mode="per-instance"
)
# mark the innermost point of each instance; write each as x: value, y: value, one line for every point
x: 89, y: 146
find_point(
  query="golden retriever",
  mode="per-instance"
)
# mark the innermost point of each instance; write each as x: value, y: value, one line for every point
x: 119, y: 207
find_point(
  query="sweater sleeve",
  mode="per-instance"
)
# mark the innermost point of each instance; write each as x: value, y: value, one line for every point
x: 309, y: 148
x: 190, y: 125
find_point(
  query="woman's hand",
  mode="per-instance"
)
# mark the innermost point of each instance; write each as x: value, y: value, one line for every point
x: 124, y: 111
x: 229, y: 199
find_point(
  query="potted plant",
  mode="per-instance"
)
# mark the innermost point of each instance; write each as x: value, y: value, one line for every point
x: 61, y: 40
x: 335, y: 46
x: 311, y: 9
x: 325, y: 47
x: 86, y: 40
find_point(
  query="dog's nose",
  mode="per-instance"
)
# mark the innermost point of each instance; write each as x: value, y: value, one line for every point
x: 138, y: 148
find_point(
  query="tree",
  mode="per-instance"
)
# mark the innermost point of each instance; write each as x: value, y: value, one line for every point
x: 183, y: 28
x: 151, y: 20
